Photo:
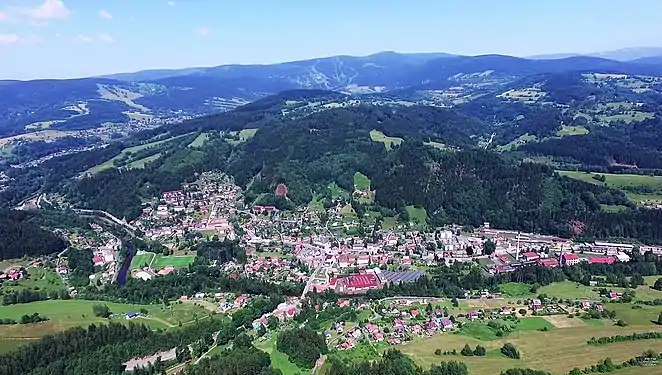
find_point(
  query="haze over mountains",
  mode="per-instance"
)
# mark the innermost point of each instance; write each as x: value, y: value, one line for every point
x: 155, y: 95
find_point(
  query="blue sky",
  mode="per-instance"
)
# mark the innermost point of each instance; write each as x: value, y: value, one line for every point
x: 74, y: 38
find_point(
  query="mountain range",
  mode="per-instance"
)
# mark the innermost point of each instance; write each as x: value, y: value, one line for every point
x: 157, y: 95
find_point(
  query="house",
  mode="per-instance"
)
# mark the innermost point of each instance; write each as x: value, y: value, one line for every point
x: 530, y: 256
x: 414, y: 313
x: 568, y: 259
x: 549, y: 262
x: 536, y: 305
x: 131, y: 315
x: 472, y: 315
x: 446, y: 323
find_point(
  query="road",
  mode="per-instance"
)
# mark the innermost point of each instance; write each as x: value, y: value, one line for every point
x: 106, y: 214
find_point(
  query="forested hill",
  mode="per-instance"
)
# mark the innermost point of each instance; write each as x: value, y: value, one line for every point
x: 19, y: 236
x: 422, y: 156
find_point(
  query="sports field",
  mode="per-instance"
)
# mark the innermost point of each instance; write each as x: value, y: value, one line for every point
x: 141, y: 259
x: 388, y: 142
x: 158, y: 261
x: 558, y: 350
x: 177, y: 261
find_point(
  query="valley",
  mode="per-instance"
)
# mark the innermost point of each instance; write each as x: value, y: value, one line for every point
x: 472, y: 215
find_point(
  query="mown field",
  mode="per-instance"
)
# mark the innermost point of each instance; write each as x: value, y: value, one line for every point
x: 66, y: 314
x: 557, y: 351
x: 38, y: 279
x: 567, y: 130
x: 159, y: 261
x: 624, y: 181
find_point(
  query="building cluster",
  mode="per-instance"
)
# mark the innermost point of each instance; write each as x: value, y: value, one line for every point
x: 202, y: 206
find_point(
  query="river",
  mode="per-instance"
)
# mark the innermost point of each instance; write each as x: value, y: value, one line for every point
x: 124, y: 271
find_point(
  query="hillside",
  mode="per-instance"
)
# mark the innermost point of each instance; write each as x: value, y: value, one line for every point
x: 151, y: 98
x: 437, y: 164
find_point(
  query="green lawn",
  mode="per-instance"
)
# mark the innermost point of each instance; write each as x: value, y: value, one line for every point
x: 177, y: 261
x: 533, y: 324
x: 38, y: 279
x: 199, y: 141
x: 8, y: 345
x: 522, y: 139
x: 388, y: 142
x: 639, y: 316
x: 572, y: 130
x: 516, y: 290
x: 142, y: 258
x: 570, y: 290
x: 361, y: 182
x: 478, y: 331
x: 417, y: 215
x: 336, y: 191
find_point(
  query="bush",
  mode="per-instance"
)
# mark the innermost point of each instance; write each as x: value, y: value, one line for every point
x: 466, y: 351
x: 480, y: 351
x: 101, y: 311
x: 621, y: 323
x: 437, y: 352
x: 510, y: 351
x: 522, y: 312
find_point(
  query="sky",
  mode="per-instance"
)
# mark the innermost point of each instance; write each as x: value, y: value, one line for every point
x: 77, y: 38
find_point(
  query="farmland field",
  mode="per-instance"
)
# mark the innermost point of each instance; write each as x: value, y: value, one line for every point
x: 244, y: 135
x: 540, y: 350
x: 177, y: 261
x: 388, y: 142
x: 361, y: 182
x: 140, y: 163
x: 568, y: 289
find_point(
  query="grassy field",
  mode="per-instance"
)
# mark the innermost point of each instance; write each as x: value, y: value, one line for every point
x: 129, y: 150
x: 279, y: 360
x: 177, y: 261
x: 199, y: 141
x: 644, y: 316
x: 539, y: 350
x: 244, y: 135
x: 142, y: 258
x: 388, y: 142
x: 140, y: 163
x: 620, y: 181
x: 523, y: 139
x: 38, y: 279
x: 67, y: 314
x: 417, y: 215
x: 336, y: 191
x: 516, y: 290
x: 438, y: 145
x: 572, y: 130
x: 361, y: 182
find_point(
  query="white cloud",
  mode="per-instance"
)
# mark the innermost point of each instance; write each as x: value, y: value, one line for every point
x: 105, y: 15
x: 82, y: 38
x: 17, y: 39
x: 49, y: 10
x: 106, y: 38
x: 203, y: 31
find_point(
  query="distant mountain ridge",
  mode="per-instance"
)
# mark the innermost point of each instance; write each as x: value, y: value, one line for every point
x: 412, y: 78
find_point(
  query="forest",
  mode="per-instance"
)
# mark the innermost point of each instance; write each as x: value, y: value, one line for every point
x: 19, y: 236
